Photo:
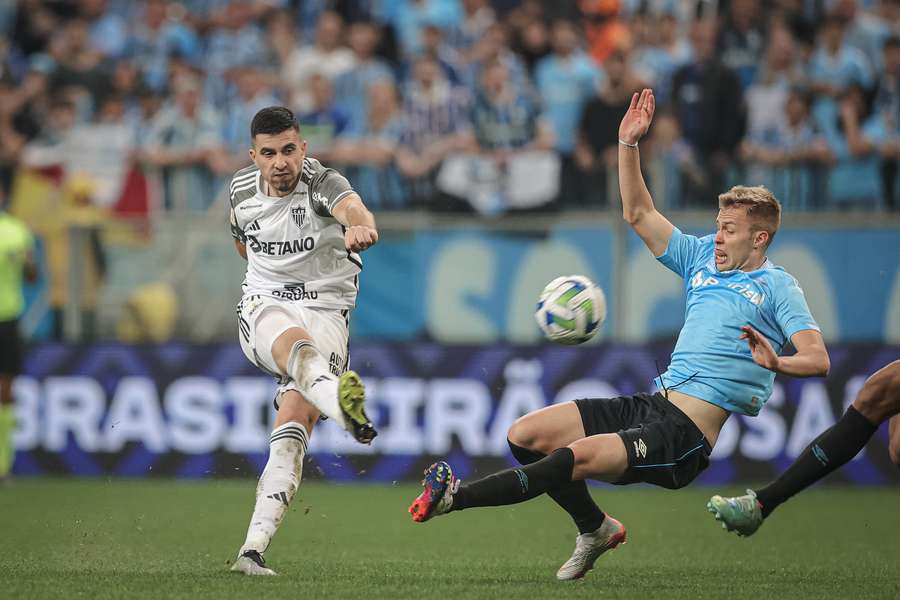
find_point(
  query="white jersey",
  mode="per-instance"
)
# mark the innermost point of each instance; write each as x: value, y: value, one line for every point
x: 295, y: 247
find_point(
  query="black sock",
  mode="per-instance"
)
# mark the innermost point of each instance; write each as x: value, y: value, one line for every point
x: 574, y: 498
x: 518, y: 485
x: 833, y: 448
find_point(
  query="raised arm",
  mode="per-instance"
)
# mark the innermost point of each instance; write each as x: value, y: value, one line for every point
x: 637, y: 205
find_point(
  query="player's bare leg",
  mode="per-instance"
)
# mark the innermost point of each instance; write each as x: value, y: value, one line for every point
x: 539, y: 433
x: 563, y: 470
x: 340, y: 398
x: 547, y: 429
x: 877, y: 401
x: 279, y: 480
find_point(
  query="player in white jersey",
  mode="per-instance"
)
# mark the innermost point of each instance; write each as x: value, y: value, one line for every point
x: 300, y: 227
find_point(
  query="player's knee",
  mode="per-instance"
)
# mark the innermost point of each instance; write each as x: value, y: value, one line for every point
x: 587, y: 462
x: 879, y: 396
x: 524, y: 433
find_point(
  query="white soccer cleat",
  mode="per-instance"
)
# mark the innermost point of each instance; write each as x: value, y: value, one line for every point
x: 589, y: 547
x: 251, y: 562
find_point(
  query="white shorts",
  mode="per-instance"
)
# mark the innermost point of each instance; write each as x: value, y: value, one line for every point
x: 262, y: 319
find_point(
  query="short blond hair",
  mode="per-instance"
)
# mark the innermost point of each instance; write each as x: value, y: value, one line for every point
x: 762, y: 206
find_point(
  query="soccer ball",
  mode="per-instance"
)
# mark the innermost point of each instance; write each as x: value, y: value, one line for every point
x: 570, y: 310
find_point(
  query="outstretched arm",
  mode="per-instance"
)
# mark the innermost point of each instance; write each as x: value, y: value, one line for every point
x: 359, y: 221
x: 637, y: 205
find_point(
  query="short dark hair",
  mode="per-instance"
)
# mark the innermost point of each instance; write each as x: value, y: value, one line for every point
x: 272, y: 120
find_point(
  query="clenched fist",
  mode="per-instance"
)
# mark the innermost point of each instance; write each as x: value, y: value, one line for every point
x: 359, y: 237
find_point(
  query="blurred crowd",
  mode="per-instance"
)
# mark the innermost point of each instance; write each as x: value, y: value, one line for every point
x: 460, y: 105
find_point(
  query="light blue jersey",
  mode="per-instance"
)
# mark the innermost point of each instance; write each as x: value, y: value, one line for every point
x: 710, y: 360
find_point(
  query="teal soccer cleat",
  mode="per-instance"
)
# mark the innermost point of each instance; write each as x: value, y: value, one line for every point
x: 741, y: 514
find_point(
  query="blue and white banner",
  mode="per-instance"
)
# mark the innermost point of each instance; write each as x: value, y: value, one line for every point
x: 480, y: 286
x: 193, y: 411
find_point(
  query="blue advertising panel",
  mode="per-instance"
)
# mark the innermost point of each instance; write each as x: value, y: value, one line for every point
x: 478, y: 286
x: 190, y: 411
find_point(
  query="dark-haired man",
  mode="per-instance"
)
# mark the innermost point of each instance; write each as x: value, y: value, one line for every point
x: 300, y: 227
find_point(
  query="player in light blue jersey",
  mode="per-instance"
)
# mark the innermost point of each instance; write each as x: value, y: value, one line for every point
x: 741, y: 312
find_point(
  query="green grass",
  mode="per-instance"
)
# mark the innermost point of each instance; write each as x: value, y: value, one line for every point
x: 164, y: 539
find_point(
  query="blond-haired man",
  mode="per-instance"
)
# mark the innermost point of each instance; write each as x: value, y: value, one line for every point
x: 741, y: 311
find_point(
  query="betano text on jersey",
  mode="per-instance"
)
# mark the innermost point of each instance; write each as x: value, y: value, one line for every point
x: 295, y: 248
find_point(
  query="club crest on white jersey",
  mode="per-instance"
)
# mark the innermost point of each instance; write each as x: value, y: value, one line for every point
x: 295, y: 247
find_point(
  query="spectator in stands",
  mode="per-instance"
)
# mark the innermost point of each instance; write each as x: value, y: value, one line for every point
x: 868, y: 29
x: 834, y: 67
x: 887, y: 103
x: 183, y: 137
x: 368, y: 149
x: 779, y: 73
x: 435, y: 124
x: 710, y: 110
x: 494, y: 46
x: 506, y: 116
x: 281, y: 38
x: 658, y: 52
x: 477, y: 18
x: 35, y: 24
x: 858, y: 141
x: 327, y: 56
x: 154, y: 39
x: 236, y: 41
x: 787, y: 155
x: 99, y: 150
x: 322, y: 125
x: 532, y: 43
x: 351, y: 87
x: 605, y: 29
x: 127, y: 83
x: 433, y: 43
x: 19, y: 123
x: 741, y: 40
x: 515, y: 166
x: 79, y: 68
x: 408, y: 17
x: 567, y: 80
x: 672, y: 163
x: 596, y: 148
x: 253, y: 92
x: 108, y: 30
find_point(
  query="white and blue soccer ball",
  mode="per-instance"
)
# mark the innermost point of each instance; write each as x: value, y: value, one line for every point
x: 570, y: 310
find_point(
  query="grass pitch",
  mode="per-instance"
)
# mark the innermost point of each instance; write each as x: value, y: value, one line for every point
x: 165, y: 539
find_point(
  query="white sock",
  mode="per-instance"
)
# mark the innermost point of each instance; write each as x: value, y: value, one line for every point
x: 277, y: 484
x: 316, y: 382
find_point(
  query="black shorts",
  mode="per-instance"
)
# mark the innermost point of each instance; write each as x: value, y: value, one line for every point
x: 10, y: 348
x: 664, y: 446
